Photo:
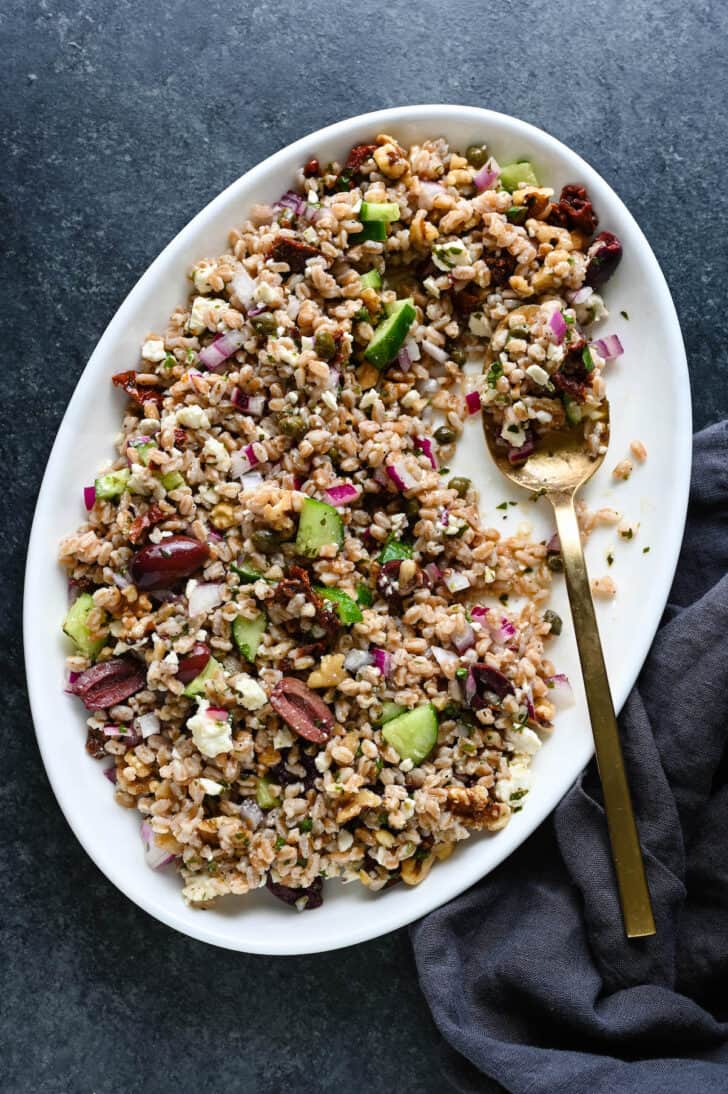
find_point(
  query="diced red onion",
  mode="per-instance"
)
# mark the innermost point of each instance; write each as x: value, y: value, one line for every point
x: 147, y: 724
x: 465, y: 640
x: 608, y: 347
x: 155, y: 856
x: 121, y: 581
x: 445, y: 518
x: 257, y: 310
x: 357, y: 659
x: 428, y: 192
x: 130, y: 737
x: 293, y: 307
x: 560, y: 690
x: 400, y: 476
x: 413, y: 350
x: 433, y: 572
x: 89, y: 496
x: 502, y: 631
x: 251, y: 480
x: 242, y: 461
x: 249, y: 404
x: 456, y: 582
x: 554, y: 544
x: 110, y: 774
x: 343, y: 494
x: 487, y: 175
x: 72, y: 678
x: 291, y: 200
x: 436, y: 352
x: 382, y: 660
x: 249, y: 808
x: 404, y: 360
x: 472, y: 402
x: 429, y: 387
x: 471, y: 688
x: 479, y: 613
x: 558, y: 326
x: 425, y: 445
x: 218, y: 714
x: 217, y: 353
x: 334, y: 377
x: 581, y: 295
x: 204, y: 598
x: 519, y: 455
x: 446, y: 659
x: 243, y: 286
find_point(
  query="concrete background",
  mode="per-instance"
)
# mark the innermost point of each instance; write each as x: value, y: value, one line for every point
x: 118, y: 122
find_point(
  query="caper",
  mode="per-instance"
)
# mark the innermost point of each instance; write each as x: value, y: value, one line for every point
x: 324, y: 344
x: 265, y: 323
x: 460, y: 485
x: 555, y: 562
x: 554, y: 620
x: 458, y: 356
x: 292, y: 425
x: 518, y: 332
x: 444, y: 435
x: 265, y: 540
x: 477, y: 155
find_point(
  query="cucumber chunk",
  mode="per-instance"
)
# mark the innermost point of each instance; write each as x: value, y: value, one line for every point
x: 247, y: 573
x: 513, y: 174
x: 391, y: 710
x: 371, y: 280
x: 113, y: 484
x: 319, y: 525
x: 413, y: 735
x: 197, y: 686
x: 347, y: 609
x: 247, y: 634
x: 143, y: 450
x: 386, y: 211
x: 75, y: 627
x: 373, y: 230
x: 264, y: 796
x: 394, y: 549
x: 172, y: 480
x: 390, y: 335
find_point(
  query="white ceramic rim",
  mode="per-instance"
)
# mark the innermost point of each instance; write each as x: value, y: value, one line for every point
x: 421, y: 900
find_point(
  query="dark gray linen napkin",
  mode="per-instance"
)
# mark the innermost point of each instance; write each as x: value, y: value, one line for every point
x: 528, y: 974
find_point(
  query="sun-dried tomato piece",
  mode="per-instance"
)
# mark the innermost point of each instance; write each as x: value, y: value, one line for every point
x: 467, y: 301
x: 95, y: 742
x: 144, y: 522
x: 358, y: 155
x: 501, y: 267
x: 180, y: 438
x: 574, y: 210
x: 302, y: 710
x: 570, y: 385
x: 298, y: 581
x: 311, y: 169
x: 140, y: 393
x: 294, y: 253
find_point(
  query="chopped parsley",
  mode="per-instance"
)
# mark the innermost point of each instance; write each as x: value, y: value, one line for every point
x: 517, y: 795
x: 624, y: 315
x: 587, y: 359
x: 494, y: 373
x: 305, y: 825
x: 610, y: 558
x: 280, y: 842
x: 645, y: 550
x: 503, y: 505
x: 460, y: 673
x: 169, y: 361
x: 503, y: 598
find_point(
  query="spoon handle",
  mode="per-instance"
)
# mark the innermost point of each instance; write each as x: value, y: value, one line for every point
x: 626, y: 852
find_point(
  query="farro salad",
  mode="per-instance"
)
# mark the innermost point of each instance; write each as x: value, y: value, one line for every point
x: 306, y: 649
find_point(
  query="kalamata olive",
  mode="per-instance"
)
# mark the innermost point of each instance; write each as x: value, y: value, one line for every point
x: 160, y: 565
x: 444, y: 435
x: 193, y: 663
x: 110, y: 682
x: 265, y: 540
x: 311, y: 168
x: 313, y: 894
x: 292, y: 425
x: 324, y: 344
x: 302, y: 709
x: 477, y: 154
x: 483, y: 684
x: 460, y: 485
x: 605, y: 254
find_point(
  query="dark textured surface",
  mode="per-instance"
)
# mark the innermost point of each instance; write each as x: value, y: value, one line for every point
x: 119, y: 121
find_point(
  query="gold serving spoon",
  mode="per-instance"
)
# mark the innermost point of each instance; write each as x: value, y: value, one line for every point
x: 557, y: 468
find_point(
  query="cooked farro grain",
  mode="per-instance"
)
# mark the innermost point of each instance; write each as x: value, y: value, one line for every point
x: 288, y: 623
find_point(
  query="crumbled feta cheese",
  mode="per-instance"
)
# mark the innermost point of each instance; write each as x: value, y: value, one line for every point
x: 211, y: 787
x: 306, y: 343
x: 488, y: 575
x: 344, y: 840
x: 149, y: 426
x: 368, y: 399
x: 310, y: 235
x: 140, y: 480
x: 524, y: 741
x: 329, y: 398
x: 265, y: 293
x: 193, y: 417
x: 283, y: 738
x: 513, y: 434
x: 430, y: 286
x: 406, y: 765
x: 543, y: 416
x: 210, y: 735
x: 554, y: 352
x: 252, y: 695
x: 450, y: 254
x: 217, y: 452
x: 515, y: 784
x: 206, y: 308
x: 199, y: 888
x: 538, y: 375
x: 200, y: 276
x: 479, y: 325
x: 153, y: 350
